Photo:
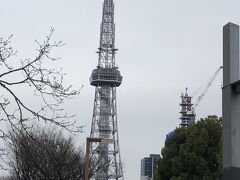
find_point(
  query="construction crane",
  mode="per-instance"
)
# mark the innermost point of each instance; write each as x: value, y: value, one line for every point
x: 187, y: 112
x: 209, y: 83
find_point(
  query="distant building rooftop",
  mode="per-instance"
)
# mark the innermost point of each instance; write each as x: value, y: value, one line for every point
x: 149, y: 166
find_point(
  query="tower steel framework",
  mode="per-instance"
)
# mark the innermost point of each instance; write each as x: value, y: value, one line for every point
x: 105, y: 156
x: 187, y: 111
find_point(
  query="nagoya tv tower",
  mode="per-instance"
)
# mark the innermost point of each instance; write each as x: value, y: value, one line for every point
x: 105, y: 155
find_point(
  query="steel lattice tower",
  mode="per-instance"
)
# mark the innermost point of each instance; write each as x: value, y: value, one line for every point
x: 105, y: 156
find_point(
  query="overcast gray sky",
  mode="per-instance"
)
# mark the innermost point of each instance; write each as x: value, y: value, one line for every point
x: 164, y: 46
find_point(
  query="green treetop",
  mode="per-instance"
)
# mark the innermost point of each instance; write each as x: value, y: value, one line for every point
x: 193, y: 153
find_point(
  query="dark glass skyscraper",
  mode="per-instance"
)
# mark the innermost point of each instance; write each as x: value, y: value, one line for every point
x: 149, y: 166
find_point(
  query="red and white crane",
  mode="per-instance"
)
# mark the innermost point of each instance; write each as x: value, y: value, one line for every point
x: 209, y: 83
x: 188, y: 114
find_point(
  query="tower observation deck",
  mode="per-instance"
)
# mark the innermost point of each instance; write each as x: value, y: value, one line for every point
x: 106, y: 77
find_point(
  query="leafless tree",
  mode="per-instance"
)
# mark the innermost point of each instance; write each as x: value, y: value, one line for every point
x: 45, y: 82
x: 44, y: 154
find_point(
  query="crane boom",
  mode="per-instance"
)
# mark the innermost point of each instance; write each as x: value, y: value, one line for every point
x: 211, y: 80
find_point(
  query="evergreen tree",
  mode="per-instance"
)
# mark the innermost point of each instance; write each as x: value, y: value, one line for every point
x: 193, y: 153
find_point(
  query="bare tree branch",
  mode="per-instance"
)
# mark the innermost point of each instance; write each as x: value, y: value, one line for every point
x: 44, y: 154
x: 46, y: 83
